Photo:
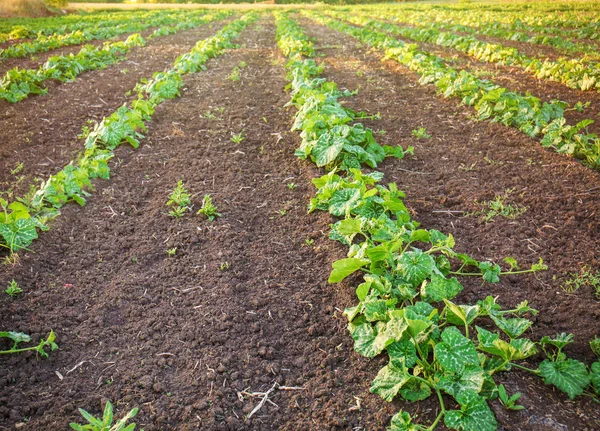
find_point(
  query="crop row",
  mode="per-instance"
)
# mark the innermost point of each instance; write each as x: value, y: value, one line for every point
x: 18, y: 84
x: 574, y: 73
x: 501, y: 25
x: 21, y: 219
x: 25, y: 28
x: 535, y: 15
x: 435, y: 346
x: 46, y: 43
x: 492, y: 102
x: 556, y: 38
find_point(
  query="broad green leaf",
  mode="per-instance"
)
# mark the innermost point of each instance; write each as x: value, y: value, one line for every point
x: 349, y: 227
x: 570, y: 375
x: 415, y: 390
x: 327, y: 148
x: 17, y: 337
x: 19, y: 234
x: 415, y: 266
x: 517, y: 349
x: 470, y: 379
x: 474, y: 414
x: 403, y: 352
x: 388, y: 333
x: 440, y: 288
x: 343, y: 201
x: 461, y: 314
x: 375, y: 310
x: 514, y: 327
x: 344, y: 267
x: 389, y: 381
x: 364, y: 335
x: 402, y: 421
x: 560, y: 341
x: 456, y: 351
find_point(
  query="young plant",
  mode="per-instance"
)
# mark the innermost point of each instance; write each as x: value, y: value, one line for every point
x: 19, y: 337
x: 106, y: 423
x: 208, y: 209
x: 179, y: 201
x: 235, y: 75
x: 421, y: 133
x: 498, y: 207
x: 171, y: 252
x: 509, y: 403
x: 13, y: 289
x: 585, y: 277
x: 292, y: 186
x: 237, y: 138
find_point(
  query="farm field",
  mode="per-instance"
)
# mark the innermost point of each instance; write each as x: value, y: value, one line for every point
x: 367, y: 217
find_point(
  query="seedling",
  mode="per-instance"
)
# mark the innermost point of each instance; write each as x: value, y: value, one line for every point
x: 585, y: 277
x: 498, y: 207
x: 282, y: 212
x: 224, y: 266
x: 421, y: 133
x: 509, y: 403
x: 292, y: 186
x: 309, y: 241
x: 237, y: 138
x: 13, y: 289
x: 106, y: 423
x: 179, y: 201
x: 235, y: 75
x: 242, y: 64
x: 171, y: 252
x: 19, y: 337
x: 208, y: 208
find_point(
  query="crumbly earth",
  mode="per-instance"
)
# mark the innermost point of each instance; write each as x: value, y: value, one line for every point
x: 244, y: 304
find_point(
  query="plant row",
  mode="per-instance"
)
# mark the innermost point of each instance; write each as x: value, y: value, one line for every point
x: 45, y: 43
x: 500, y: 25
x: 436, y: 347
x: 18, y: 84
x: 534, y: 18
x: 515, y: 32
x: 26, y: 28
x: 574, y: 73
x: 492, y: 102
x: 21, y: 220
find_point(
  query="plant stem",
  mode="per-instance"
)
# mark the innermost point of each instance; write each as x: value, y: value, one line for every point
x: 442, y: 413
x: 536, y: 372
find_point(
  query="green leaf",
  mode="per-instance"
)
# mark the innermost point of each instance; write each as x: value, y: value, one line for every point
x: 461, y: 314
x: 595, y: 376
x: 19, y: 234
x: 403, y: 352
x: 327, y: 148
x: 570, y: 375
x: 415, y: 390
x: 514, y: 327
x: 364, y: 335
x: 517, y: 349
x: 440, y: 288
x: 490, y: 272
x: 402, y: 421
x: 389, y: 381
x: 415, y: 266
x: 344, y: 267
x: 474, y: 414
x: 343, y: 201
x: 470, y: 379
x: 456, y: 351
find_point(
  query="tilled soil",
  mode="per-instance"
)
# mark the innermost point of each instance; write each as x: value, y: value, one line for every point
x: 243, y: 305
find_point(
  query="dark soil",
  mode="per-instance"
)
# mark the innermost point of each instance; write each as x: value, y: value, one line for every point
x: 466, y: 161
x: 41, y: 131
x: 244, y: 303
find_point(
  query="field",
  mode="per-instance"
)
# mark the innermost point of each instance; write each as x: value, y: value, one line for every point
x: 367, y: 217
